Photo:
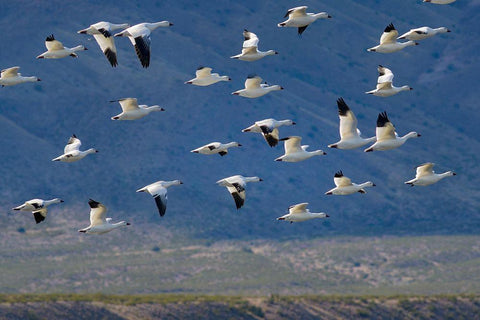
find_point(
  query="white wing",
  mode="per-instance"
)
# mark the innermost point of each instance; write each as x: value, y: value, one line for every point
x: 10, y: 72
x: 97, y: 213
x: 298, y: 208
x: 129, y: 104
x: 389, y: 35
x: 253, y: 82
x: 73, y: 144
x: 297, y: 12
x: 293, y: 144
x: 53, y: 45
x: 348, y: 121
x: 107, y: 44
x: 251, y: 39
x: 424, y: 169
x: 342, y: 181
x: 203, y: 72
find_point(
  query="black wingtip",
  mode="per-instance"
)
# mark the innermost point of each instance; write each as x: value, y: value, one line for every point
x: 339, y: 174
x: 342, y: 107
x: 38, y: 217
x: 50, y: 38
x: 382, y: 119
x: 93, y: 204
x: 111, y: 57
x: 251, y: 75
x: 389, y: 28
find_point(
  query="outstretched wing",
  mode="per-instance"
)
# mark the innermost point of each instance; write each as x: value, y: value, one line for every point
x: 237, y: 190
x: 161, y: 200
x: 107, y: 45
x: 203, y: 72
x: 142, y: 48
x: 250, y: 39
x: 348, y: 121
x: 385, y: 129
x: 298, y: 208
x: 128, y: 104
x: 73, y: 144
x: 40, y: 215
x: 424, y: 169
x: 97, y: 213
x: 10, y: 72
x: 253, y: 82
x: 389, y: 35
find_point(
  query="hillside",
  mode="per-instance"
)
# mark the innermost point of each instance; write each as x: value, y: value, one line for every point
x: 327, y: 62
x: 218, y: 307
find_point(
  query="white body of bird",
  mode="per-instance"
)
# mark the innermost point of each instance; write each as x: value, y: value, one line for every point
x: 387, y: 138
x: 422, y: 33
x: 158, y: 190
x: 216, y: 148
x: 269, y: 129
x: 11, y: 77
x: 254, y: 88
x: 440, y: 1
x: 250, y: 50
x: 72, y: 153
x: 425, y: 175
x: 236, y: 186
x: 349, y: 134
x: 102, y: 32
x: 99, y: 224
x: 38, y: 207
x: 205, y: 77
x: 131, y: 110
x: 385, y: 88
x: 299, y: 18
x: 299, y: 213
x: 295, y: 152
x: 139, y: 36
x: 56, y: 50
x: 345, y: 186
x: 388, y: 41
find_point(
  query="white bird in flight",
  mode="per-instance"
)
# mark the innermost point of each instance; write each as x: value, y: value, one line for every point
x: 11, y: 77
x: 158, y: 190
x: 425, y: 175
x: 139, y: 36
x: 269, y: 129
x: 72, y: 153
x: 299, y: 18
x: 385, y: 88
x: 216, y: 148
x: 205, y: 77
x: 56, y: 50
x: 345, y: 186
x: 236, y: 186
x: 102, y: 32
x: 388, y: 41
x: 38, y: 207
x: 250, y: 50
x: 131, y: 110
x: 423, y: 33
x: 387, y: 138
x: 299, y: 213
x: 99, y: 224
x: 349, y: 134
x: 254, y: 87
x: 295, y: 152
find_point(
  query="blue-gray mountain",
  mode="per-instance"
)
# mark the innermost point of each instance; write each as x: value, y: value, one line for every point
x: 329, y: 61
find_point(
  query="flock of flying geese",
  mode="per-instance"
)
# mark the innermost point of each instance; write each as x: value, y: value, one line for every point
x: 386, y: 137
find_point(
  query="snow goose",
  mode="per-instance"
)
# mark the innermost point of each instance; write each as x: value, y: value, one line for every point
x: 385, y: 88
x: 11, y: 77
x: 139, y: 36
x: 99, y: 224
x: 344, y: 185
x: 299, y: 213
x: 102, y: 32
x: 254, y: 87
x: 425, y: 175
x: 56, y: 50
x: 387, y: 138
x: 423, y: 33
x: 236, y: 186
x: 388, y: 41
x: 132, y: 111
x: 38, y: 207
x: 205, y: 77
x: 440, y: 1
x: 72, y: 153
x: 250, y: 50
x: 294, y: 152
x: 349, y: 133
x: 158, y: 190
x: 299, y: 18
x: 216, y: 148
x: 269, y: 129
